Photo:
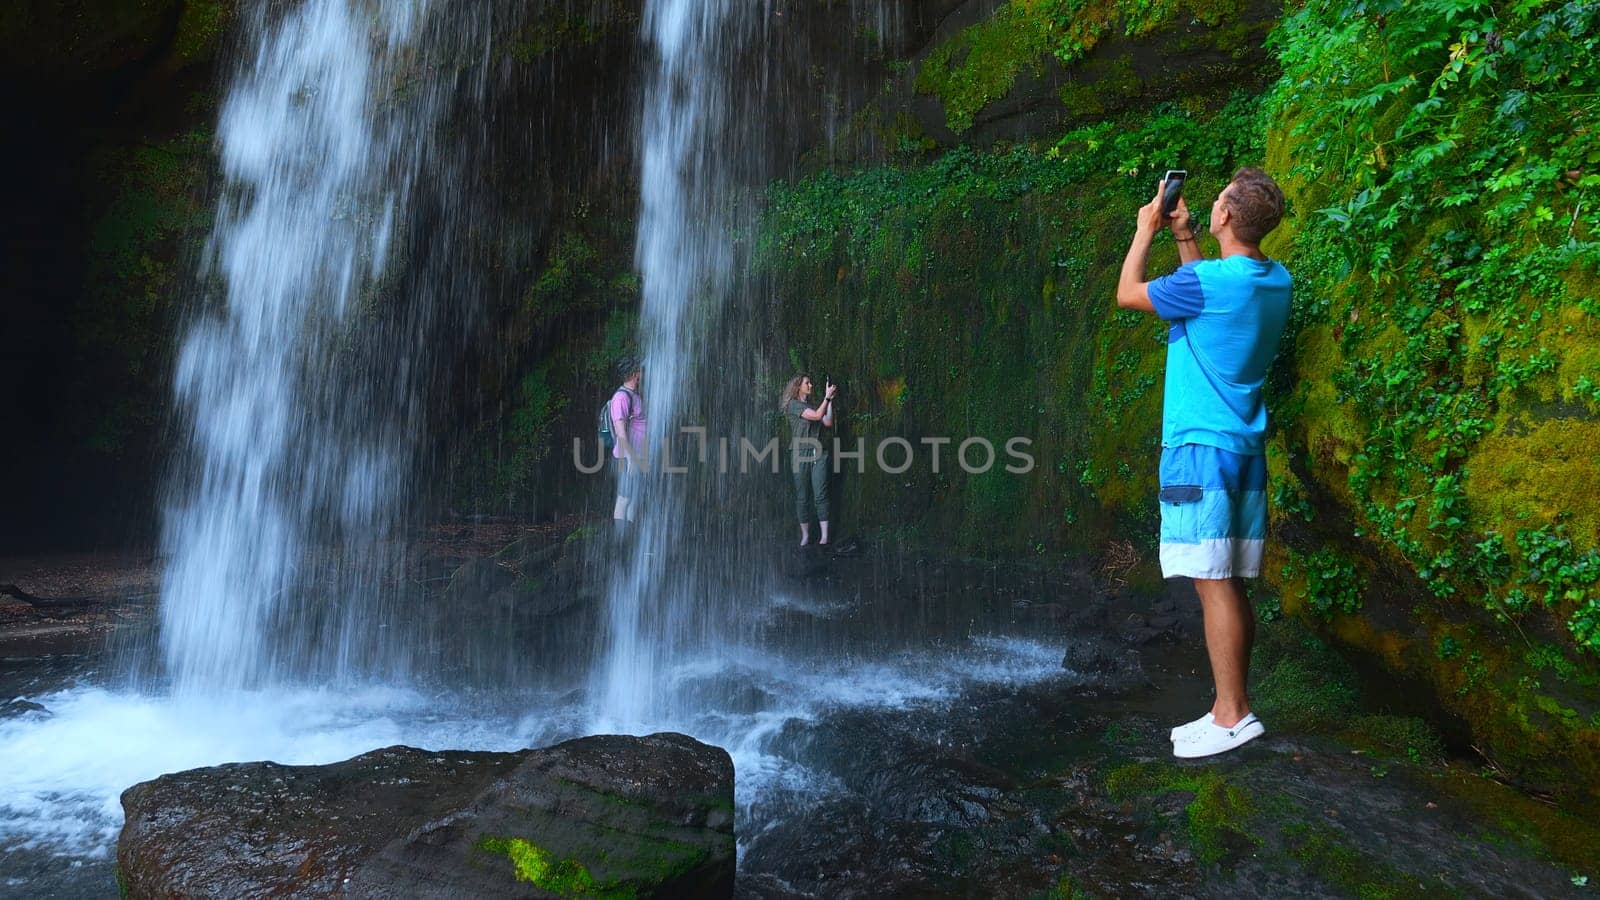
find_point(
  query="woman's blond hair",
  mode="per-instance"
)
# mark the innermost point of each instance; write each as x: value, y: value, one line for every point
x: 790, y: 391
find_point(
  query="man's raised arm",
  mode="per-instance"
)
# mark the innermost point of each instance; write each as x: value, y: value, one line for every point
x: 1132, y: 288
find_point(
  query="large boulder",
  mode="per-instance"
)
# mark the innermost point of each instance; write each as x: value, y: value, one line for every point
x: 602, y: 816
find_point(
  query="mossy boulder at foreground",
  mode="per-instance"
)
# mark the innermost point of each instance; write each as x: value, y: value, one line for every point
x: 604, y: 816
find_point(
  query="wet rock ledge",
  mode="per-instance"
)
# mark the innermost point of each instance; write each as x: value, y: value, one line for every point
x: 599, y: 816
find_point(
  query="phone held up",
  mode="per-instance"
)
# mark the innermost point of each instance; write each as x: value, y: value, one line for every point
x: 1174, y: 189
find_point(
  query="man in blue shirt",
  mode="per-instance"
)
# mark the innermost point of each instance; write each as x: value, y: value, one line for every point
x: 1227, y: 317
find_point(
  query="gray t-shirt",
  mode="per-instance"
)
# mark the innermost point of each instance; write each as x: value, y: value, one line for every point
x: 804, y: 430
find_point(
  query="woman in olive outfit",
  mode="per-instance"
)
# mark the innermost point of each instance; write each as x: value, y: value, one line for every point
x: 807, y: 455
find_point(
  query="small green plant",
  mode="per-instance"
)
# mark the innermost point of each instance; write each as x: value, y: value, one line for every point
x: 1449, y: 648
x: 1332, y: 583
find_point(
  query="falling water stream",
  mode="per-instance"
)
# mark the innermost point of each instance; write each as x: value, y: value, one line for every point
x: 685, y: 265
x: 286, y: 451
x: 300, y: 391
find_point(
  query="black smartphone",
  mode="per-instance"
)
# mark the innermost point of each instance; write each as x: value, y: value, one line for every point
x: 1169, y: 197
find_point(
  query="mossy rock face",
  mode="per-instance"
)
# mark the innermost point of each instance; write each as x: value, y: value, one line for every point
x: 75, y: 41
x: 1027, y: 65
x: 149, y: 229
x: 606, y: 816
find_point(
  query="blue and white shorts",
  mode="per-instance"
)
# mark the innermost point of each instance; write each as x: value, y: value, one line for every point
x: 1213, y: 512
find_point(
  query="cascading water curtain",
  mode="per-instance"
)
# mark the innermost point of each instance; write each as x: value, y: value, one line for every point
x: 295, y: 457
x: 685, y: 265
x: 717, y: 118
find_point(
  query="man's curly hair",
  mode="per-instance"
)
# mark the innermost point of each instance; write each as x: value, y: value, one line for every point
x: 1256, y: 203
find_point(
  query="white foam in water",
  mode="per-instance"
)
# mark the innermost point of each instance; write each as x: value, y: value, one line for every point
x: 805, y: 690
x: 805, y: 606
x: 65, y: 772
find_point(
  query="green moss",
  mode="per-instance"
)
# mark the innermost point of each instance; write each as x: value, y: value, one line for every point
x: 1066, y: 889
x: 560, y: 28
x: 201, y: 26
x: 1327, y: 854
x: 980, y: 64
x: 1541, y: 828
x: 1305, y: 686
x: 1527, y: 474
x: 562, y: 877
x: 1216, y: 816
x: 1296, y: 696
x: 1081, y: 99
x: 1405, y: 737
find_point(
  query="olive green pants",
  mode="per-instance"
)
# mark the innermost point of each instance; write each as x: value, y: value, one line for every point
x: 811, y: 489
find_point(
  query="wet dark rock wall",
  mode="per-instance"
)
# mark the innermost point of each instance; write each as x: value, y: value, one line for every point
x: 108, y: 108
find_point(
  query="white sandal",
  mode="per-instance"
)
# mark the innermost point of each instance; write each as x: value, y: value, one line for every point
x: 1179, y: 731
x: 1211, y: 739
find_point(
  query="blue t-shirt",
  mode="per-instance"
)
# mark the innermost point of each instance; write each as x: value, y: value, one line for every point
x: 1227, y: 316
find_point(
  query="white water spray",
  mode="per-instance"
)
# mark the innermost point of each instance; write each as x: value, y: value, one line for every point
x: 281, y: 455
x: 685, y: 264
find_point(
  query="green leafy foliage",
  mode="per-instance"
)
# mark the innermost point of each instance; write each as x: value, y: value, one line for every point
x: 1453, y: 149
x: 1333, y: 585
x: 806, y: 217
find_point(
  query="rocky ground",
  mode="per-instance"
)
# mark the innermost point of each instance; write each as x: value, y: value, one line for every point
x: 1073, y: 792
x: 69, y: 603
x: 1065, y: 788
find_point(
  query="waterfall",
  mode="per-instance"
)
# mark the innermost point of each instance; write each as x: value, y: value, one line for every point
x: 296, y: 391
x: 685, y: 264
x: 303, y: 380
x: 718, y: 119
